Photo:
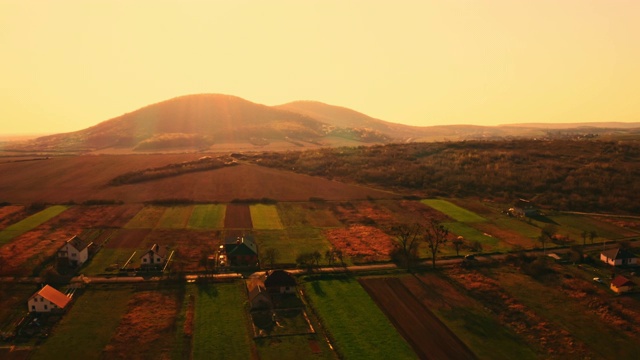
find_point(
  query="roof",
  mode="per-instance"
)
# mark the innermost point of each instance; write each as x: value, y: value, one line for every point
x: 78, y: 243
x: 241, y: 245
x: 279, y: 278
x: 618, y: 253
x: 157, y: 249
x: 56, y: 297
x: 620, y: 281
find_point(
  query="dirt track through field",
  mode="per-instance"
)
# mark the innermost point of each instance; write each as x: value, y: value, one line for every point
x: 428, y: 336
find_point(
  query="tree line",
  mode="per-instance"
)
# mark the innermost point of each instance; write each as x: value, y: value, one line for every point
x: 579, y: 175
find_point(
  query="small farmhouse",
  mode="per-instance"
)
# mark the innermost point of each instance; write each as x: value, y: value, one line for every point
x: 75, y: 251
x: 241, y: 251
x: 154, y: 257
x: 280, y: 282
x: 621, y: 284
x: 618, y: 257
x: 48, y: 299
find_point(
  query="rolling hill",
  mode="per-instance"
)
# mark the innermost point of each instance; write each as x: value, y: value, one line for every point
x: 215, y: 122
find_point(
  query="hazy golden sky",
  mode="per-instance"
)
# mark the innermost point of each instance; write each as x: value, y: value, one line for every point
x: 66, y: 65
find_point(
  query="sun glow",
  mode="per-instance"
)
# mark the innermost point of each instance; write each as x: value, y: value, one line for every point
x: 70, y: 64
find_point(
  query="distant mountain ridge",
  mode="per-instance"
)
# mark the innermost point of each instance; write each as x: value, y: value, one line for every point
x: 216, y: 122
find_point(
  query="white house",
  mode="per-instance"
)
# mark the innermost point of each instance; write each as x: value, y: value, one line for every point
x: 47, y: 299
x: 617, y: 257
x: 75, y: 251
x: 156, y: 256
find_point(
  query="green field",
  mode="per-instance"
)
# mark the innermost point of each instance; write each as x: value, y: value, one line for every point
x: 221, y: 322
x: 210, y: 216
x: 291, y: 242
x: 105, y: 258
x: 175, y: 217
x: 88, y: 327
x: 469, y: 233
x: 30, y: 223
x: 453, y: 211
x: 265, y: 217
x: 574, y: 225
x: 357, y: 327
x: 147, y: 218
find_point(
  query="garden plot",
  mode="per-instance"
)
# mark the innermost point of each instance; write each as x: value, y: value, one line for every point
x: 146, y: 329
x: 205, y: 217
x: 265, y: 217
x: 361, y: 243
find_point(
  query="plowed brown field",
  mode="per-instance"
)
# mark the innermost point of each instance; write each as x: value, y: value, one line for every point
x: 81, y: 178
x: 238, y: 216
x: 428, y: 336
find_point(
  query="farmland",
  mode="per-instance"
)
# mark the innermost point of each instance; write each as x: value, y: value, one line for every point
x: 513, y: 305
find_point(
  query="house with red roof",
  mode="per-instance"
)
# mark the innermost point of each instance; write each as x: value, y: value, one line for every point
x: 621, y: 284
x: 48, y: 299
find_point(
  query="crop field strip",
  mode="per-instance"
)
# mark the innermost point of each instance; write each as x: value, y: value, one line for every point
x: 220, y: 323
x: 343, y: 321
x: 147, y: 218
x: 454, y: 211
x: 238, y: 216
x: 30, y: 223
x: 291, y: 242
x: 265, y: 217
x: 429, y: 337
x: 469, y: 319
x: 209, y: 216
x: 175, y: 217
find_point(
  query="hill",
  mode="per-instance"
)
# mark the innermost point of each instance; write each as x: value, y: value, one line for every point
x: 215, y: 122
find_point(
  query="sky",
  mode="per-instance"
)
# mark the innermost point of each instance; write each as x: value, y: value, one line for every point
x: 69, y: 64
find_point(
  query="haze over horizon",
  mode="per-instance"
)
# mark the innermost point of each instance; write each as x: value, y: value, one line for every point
x: 71, y: 64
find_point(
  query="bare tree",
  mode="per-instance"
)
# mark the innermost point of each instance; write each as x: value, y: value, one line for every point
x: 547, y: 233
x: 338, y: 253
x: 592, y: 235
x: 435, y: 234
x: 457, y: 244
x: 330, y: 256
x: 406, y: 245
x: 584, y: 235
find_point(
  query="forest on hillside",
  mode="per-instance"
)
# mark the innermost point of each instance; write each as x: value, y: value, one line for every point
x: 575, y: 175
